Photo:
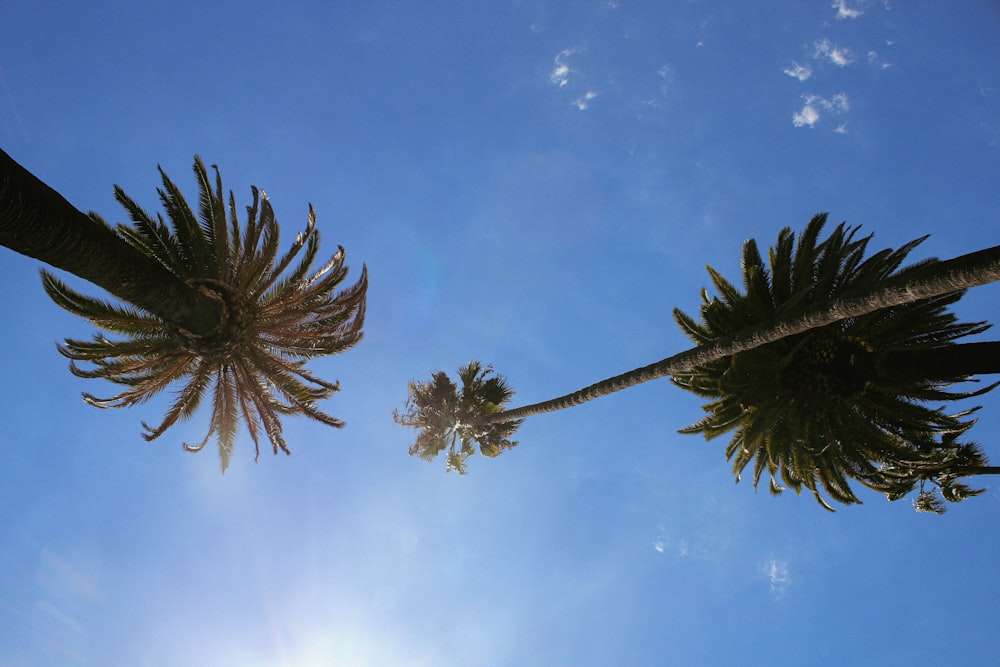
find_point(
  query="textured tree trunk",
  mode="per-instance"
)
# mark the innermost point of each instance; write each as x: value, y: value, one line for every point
x: 977, y: 268
x: 37, y: 221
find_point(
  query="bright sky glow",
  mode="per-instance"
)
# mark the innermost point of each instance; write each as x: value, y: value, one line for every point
x: 535, y: 185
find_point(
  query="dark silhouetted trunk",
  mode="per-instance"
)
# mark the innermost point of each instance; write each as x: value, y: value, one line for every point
x: 934, y: 279
x: 37, y: 221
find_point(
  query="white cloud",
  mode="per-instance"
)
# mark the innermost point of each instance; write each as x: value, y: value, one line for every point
x: 875, y: 60
x: 814, y: 106
x: 797, y: 71
x: 806, y: 117
x: 840, y: 57
x: 584, y: 101
x: 846, y: 11
x: 778, y: 574
x: 561, y: 76
x: 560, y: 73
x: 837, y: 104
x: 841, y: 129
x: 671, y: 547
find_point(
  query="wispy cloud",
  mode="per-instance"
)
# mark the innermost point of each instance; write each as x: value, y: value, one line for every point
x: 665, y: 73
x: 845, y: 10
x: 841, y: 57
x: 814, y: 106
x: 779, y: 575
x: 797, y: 71
x: 876, y: 60
x: 837, y: 104
x: 583, y: 101
x: 560, y: 73
x: 563, y: 75
x: 670, y: 546
x: 586, y: 79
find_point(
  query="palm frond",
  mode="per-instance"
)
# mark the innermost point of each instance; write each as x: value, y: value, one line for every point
x: 276, y: 321
x: 150, y: 235
x: 104, y: 314
x: 212, y: 210
x: 816, y: 407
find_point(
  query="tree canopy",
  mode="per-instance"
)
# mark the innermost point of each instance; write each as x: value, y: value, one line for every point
x: 280, y: 312
x: 819, y: 408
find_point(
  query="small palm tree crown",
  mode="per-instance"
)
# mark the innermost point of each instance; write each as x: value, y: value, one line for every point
x: 816, y: 409
x: 935, y: 475
x: 446, y: 417
x: 254, y: 367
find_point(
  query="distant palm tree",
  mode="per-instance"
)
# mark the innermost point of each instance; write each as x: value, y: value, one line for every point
x: 864, y: 291
x: 253, y: 357
x: 447, y: 417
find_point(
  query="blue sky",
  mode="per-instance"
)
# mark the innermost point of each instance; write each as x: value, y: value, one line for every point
x: 532, y: 184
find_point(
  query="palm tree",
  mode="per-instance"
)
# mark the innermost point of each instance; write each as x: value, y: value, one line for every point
x: 253, y: 358
x: 37, y: 221
x: 446, y: 416
x: 826, y: 292
x: 835, y: 402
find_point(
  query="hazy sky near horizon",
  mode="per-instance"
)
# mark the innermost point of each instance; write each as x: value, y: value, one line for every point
x: 535, y: 185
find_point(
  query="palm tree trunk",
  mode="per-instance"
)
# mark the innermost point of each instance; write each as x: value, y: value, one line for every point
x: 935, y: 279
x: 37, y: 221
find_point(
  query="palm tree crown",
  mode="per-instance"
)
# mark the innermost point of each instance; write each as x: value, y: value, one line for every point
x: 447, y: 416
x: 825, y: 406
x: 276, y: 320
